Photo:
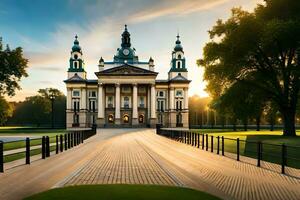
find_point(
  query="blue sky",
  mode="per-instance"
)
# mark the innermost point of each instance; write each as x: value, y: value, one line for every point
x: 46, y: 30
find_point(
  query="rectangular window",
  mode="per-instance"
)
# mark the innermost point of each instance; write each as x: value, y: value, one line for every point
x: 109, y: 89
x: 92, y: 105
x: 110, y: 103
x: 76, y: 104
x: 179, y: 93
x: 126, y: 89
x: 92, y: 94
x: 76, y: 93
x: 142, y: 102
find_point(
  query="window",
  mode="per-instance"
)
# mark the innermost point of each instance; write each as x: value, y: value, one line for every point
x: 179, y: 93
x: 126, y: 89
x: 179, y: 120
x: 75, y: 56
x: 161, y: 105
x: 110, y: 103
x: 92, y: 105
x: 76, y: 107
x: 126, y: 102
x: 76, y: 64
x: 110, y: 89
x: 178, y: 65
x: 179, y: 56
x: 92, y: 93
x: 161, y: 94
x: 179, y: 105
x: 76, y: 93
x: 142, y: 102
x: 142, y: 89
x: 75, y: 119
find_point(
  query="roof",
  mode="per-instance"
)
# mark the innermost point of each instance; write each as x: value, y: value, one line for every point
x: 78, y: 79
x: 128, y: 70
x: 180, y: 78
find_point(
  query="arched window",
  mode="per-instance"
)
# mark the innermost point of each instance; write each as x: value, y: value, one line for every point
x: 75, y: 56
x: 76, y: 65
x: 178, y: 65
x: 179, y: 56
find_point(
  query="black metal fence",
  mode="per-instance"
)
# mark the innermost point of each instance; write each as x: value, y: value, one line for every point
x: 25, y: 149
x: 284, y: 155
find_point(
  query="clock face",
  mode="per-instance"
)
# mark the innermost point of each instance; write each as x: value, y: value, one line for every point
x: 126, y: 52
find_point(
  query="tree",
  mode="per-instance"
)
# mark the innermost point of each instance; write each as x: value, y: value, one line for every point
x: 12, y: 68
x: 261, y: 50
x: 41, y: 105
x: 6, y: 110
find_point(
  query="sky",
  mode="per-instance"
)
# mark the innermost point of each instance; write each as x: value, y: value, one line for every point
x: 46, y: 29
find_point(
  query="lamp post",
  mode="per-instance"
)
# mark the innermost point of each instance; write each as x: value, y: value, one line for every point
x: 52, y: 110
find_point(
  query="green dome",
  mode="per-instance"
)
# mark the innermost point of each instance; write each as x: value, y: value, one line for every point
x: 178, y: 46
x: 76, y: 47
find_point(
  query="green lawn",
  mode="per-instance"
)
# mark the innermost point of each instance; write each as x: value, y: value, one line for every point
x: 122, y: 192
x: 29, y: 131
x: 248, y: 144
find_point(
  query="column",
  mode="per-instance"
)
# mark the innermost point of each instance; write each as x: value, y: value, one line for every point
x: 69, y: 99
x: 83, y: 99
x: 153, y: 99
x: 186, y: 98
x: 134, y: 105
x: 171, y: 99
x: 100, y: 102
x: 117, y: 104
x: 148, y: 104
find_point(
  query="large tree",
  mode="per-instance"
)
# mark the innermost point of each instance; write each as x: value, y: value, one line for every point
x: 12, y: 68
x: 260, y: 49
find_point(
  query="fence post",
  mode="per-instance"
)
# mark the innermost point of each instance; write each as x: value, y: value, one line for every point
x: 283, y: 159
x: 61, y: 143
x: 69, y: 140
x: 258, y: 153
x: 203, y: 141
x: 66, y: 142
x: 218, y: 145
x: 1, y: 157
x: 56, y: 144
x: 238, y: 149
x: 27, y: 159
x: 198, y: 140
x: 193, y: 138
x: 223, y: 145
x: 82, y: 136
x: 43, y: 147
x: 47, y: 146
x: 212, y: 144
x: 206, y: 142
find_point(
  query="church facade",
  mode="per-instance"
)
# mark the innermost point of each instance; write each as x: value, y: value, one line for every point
x: 127, y: 92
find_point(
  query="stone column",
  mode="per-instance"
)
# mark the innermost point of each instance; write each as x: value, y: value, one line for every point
x: 134, y: 105
x: 83, y: 99
x: 186, y: 98
x: 100, y: 102
x: 69, y: 99
x: 171, y: 99
x: 148, y: 104
x: 153, y: 108
x: 117, y: 105
x: 101, y: 109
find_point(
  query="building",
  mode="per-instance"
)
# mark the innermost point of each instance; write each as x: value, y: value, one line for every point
x: 126, y: 92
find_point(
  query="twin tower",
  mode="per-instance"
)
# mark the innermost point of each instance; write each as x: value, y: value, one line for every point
x: 126, y: 92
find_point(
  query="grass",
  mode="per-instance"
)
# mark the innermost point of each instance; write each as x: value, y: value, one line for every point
x: 124, y: 192
x: 272, y: 141
x: 21, y: 131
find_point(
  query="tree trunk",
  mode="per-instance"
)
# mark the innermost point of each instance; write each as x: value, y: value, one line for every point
x: 289, y: 122
x: 258, y: 123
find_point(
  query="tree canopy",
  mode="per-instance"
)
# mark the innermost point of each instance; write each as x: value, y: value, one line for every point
x: 12, y: 68
x: 258, y: 50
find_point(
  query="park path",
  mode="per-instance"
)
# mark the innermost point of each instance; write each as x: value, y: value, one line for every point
x: 142, y: 157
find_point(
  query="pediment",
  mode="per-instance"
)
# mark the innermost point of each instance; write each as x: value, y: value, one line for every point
x: 126, y: 70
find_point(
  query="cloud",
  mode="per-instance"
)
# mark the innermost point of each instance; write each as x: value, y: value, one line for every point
x: 174, y: 8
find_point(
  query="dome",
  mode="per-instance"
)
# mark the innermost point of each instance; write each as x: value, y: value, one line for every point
x: 76, y: 46
x: 178, y: 46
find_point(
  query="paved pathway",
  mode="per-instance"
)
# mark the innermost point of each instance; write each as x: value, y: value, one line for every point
x: 142, y: 157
